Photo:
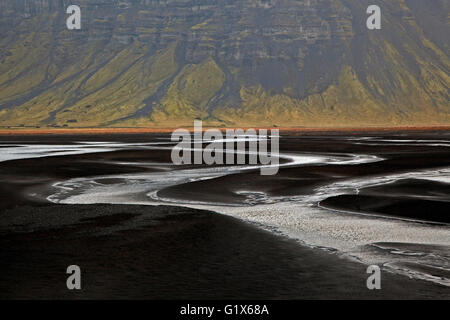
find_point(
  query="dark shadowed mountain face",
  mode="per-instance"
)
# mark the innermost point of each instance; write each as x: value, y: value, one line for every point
x: 228, y: 62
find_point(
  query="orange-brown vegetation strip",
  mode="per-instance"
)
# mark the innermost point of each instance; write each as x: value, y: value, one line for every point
x: 169, y: 130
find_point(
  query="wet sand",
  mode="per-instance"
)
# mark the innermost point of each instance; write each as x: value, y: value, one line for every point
x: 409, y: 198
x: 169, y: 253
x: 147, y: 252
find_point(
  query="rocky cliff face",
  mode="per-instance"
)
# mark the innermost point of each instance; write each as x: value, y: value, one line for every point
x: 228, y: 62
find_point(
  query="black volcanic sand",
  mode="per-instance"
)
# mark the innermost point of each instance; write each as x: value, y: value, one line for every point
x: 416, y: 257
x: 413, y: 188
x: 169, y: 252
x: 17, y: 177
x: 21, y: 177
x: 408, y: 198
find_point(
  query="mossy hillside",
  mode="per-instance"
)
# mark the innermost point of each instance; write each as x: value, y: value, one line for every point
x: 125, y: 95
x: 344, y: 103
x: 244, y: 64
x: 189, y: 94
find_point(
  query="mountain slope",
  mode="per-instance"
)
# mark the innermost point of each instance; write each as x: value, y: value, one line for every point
x: 228, y: 62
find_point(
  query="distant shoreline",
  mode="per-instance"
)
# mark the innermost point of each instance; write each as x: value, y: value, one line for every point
x: 47, y: 131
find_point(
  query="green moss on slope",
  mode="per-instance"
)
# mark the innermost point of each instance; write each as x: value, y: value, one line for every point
x: 247, y: 64
x: 190, y: 92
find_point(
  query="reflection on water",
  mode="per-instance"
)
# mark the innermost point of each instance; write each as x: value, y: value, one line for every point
x: 406, y: 246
